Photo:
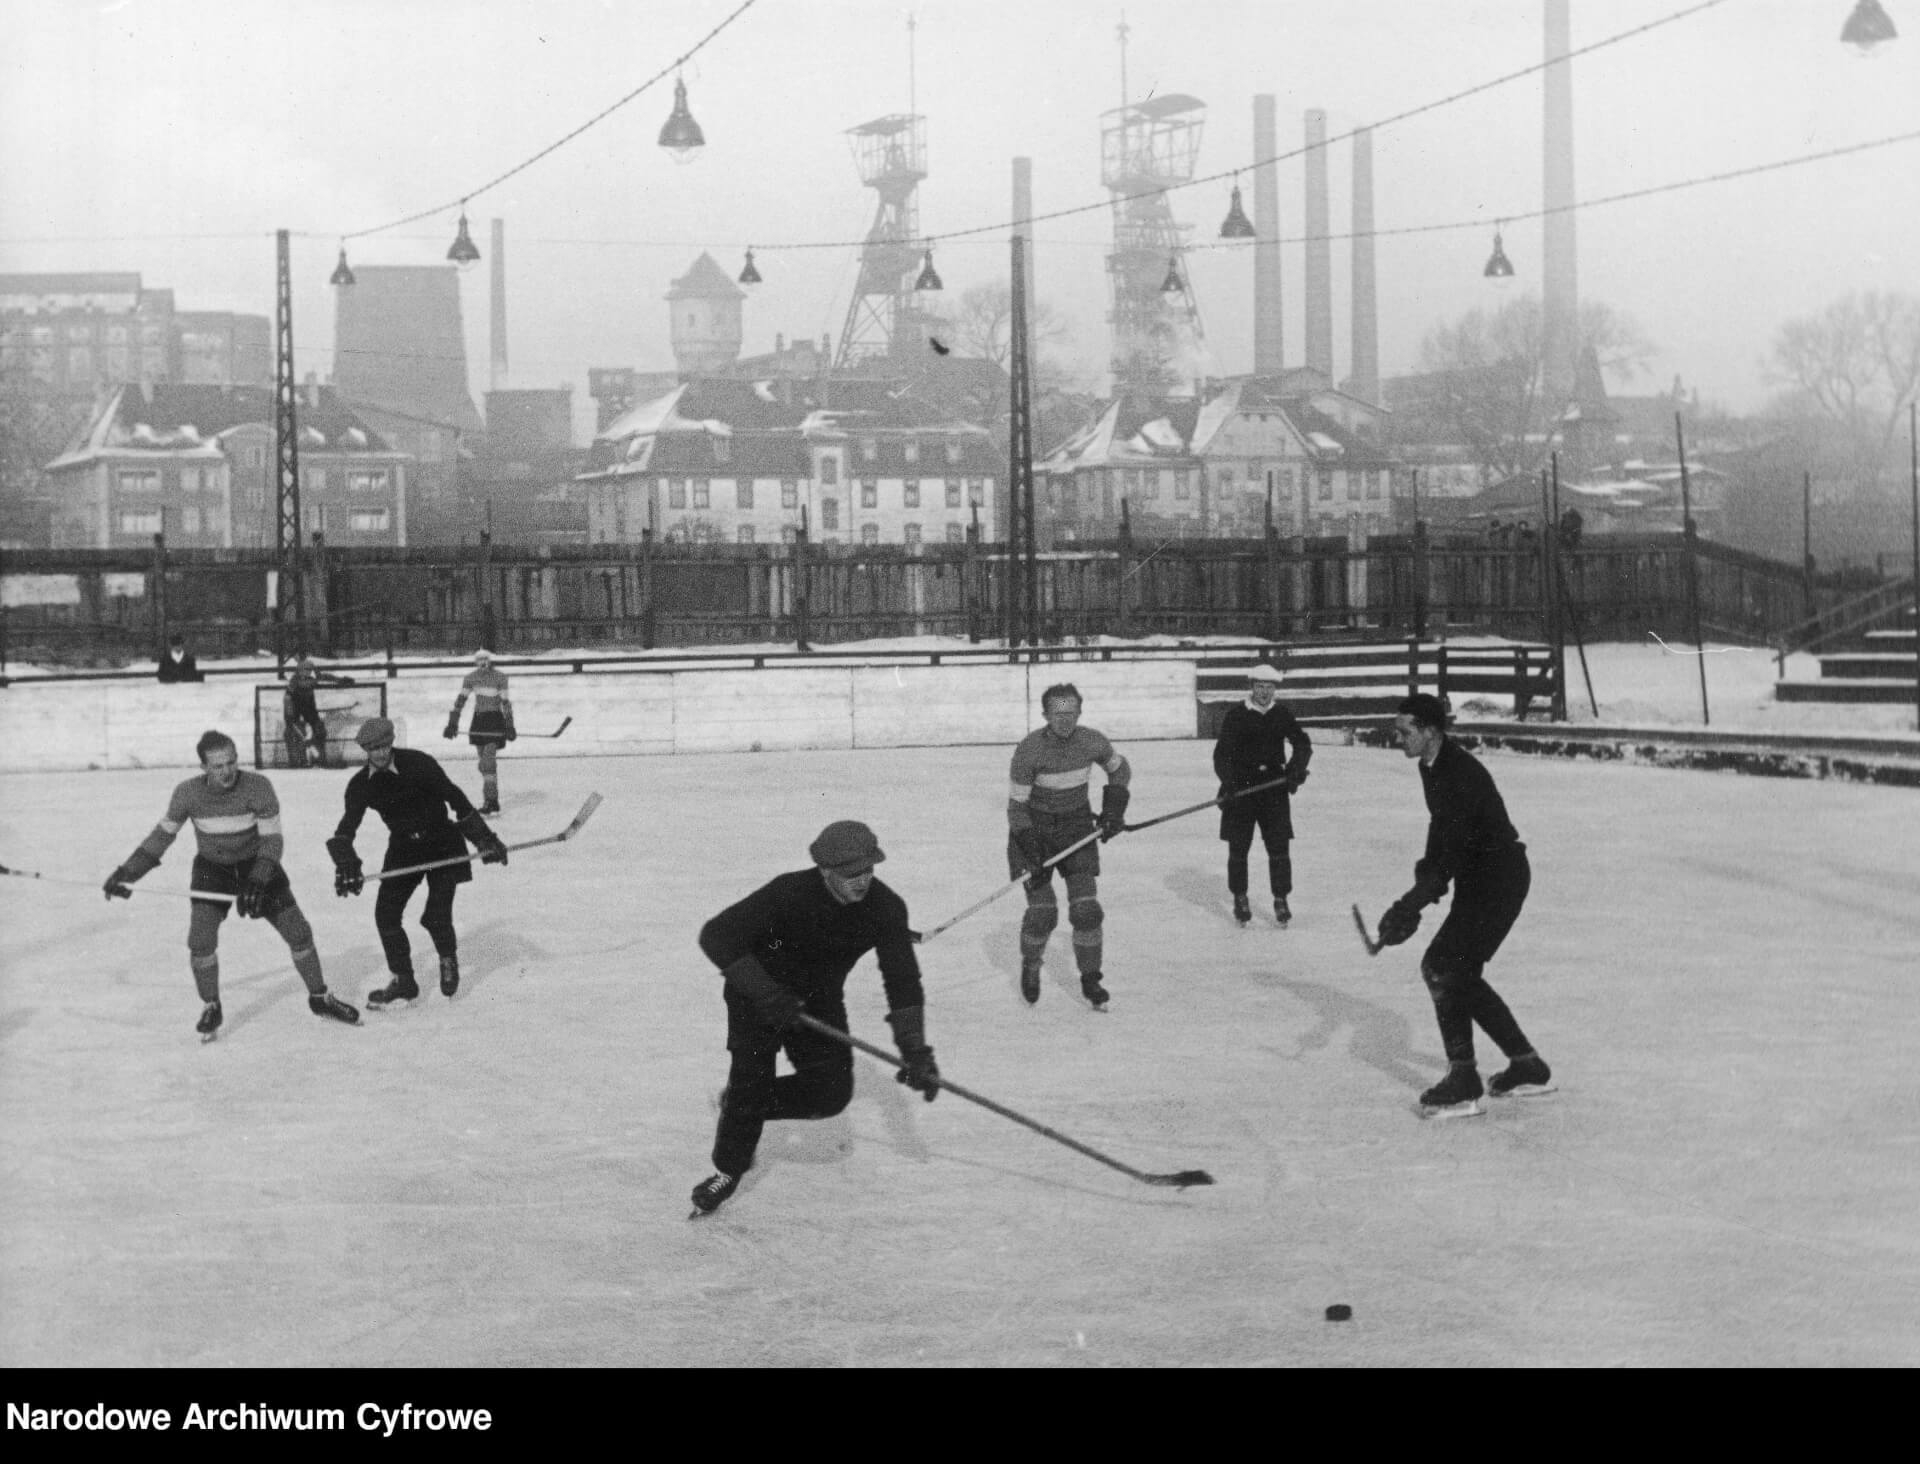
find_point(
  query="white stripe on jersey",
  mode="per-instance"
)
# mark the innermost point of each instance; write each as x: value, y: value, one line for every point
x: 170, y: 826
x: 1019, y: 792
x: 1075, y: 779
x: 269, y: 826
x: 228, y: 823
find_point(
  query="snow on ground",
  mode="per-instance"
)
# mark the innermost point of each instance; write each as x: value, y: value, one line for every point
x: 1719, y: 968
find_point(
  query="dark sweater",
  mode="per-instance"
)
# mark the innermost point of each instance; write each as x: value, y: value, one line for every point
x: 809, y: 941
x: 1252, y: 747
x: 1468, y: 826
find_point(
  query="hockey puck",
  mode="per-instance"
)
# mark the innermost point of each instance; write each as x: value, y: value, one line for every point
x: 1339, y: 1312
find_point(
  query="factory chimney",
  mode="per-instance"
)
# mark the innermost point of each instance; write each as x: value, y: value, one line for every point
x: 1365, y: 378
x: 1319, y: 249
x: 1269, y: 355
x: 497, y: 311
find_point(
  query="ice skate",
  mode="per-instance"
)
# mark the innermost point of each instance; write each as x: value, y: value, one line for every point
x: 209, y: 1022
x: 713, y: 1192
x: 449, y: 975
x: 326, y: 1004
x: 1093, y: 991
x: 1523, y: 1077
x: 1457, y: 1095
x: 492, y: 805
x: 1030, y: 981
x: 397, y: 992
x: 1282, y: 915
x: 1242, y: 909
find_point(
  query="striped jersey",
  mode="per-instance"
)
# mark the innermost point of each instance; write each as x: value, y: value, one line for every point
x: 487, y: 687
x: 1050, y: 774
x: 241, y: 823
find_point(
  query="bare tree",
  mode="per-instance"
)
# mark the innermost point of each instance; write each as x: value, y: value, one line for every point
x: 1487, y: 379
x: 1856, y: 365
x: 983, y: 326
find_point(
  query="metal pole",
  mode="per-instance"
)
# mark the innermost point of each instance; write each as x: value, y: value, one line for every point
x: 1020, y: 443
x: 1913, y: 452
x: 1806, y: 546
x: 1550, y: 610
x: 1560, y: 601
x: 1693, y: 582
x: 286, y: 466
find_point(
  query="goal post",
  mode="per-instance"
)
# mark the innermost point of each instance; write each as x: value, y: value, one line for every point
x: 343, y: 707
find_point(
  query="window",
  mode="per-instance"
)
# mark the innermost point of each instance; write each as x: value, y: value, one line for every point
x: 869, y: 493
x: 911, y: 536
x: 910, y: 492
x: 146, y: 480
x: 953, y: 450
x: 977, y: 491
x: 789, y: 535
x: 1326, y: 484
x: 256, y: 457
x: 956, y: 534
x: 829, y: 513
x: 1283, y: 482
x: 368, y: 520
x: 1372, y: 476
x: 190, y: 519
x: 869, y: 533
x: 676, y: 493
x: 146, y: 521
x: 722, y: 449
x: 743, y: 493
x: 1130, y: 481
x: 117, y: 362
x: 314, y: 480
x: 789, y: 493
x: 829, y: 470
x: 365, y: 482
x: 702, y: 493
x: 316, y: 518
x: 910, y: 450
x: 953, y: 493
x: 869, y: 449
x: 744, y: 534
x: 1223, y: 477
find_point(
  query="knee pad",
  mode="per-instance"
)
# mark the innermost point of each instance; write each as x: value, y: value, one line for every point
x: 1043, y: 912
x: 1084, y: 913
x: 203, y: 931
x: 486, y: 757
x: 293, y: 928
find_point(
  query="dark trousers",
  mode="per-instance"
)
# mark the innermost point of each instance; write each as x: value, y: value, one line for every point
x: 1486, y: 903
x: 1269, y: 816
x: 436, y: 919
x: 303, y: 717
x: 820, y: 1085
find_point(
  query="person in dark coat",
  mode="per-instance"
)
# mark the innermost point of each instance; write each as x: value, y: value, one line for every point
x: 178, y: 664
x: 1259, y: 742
x: 1473, y: 846
x: 300, y: 711
x: 785, y: 950
x: 413, y: 793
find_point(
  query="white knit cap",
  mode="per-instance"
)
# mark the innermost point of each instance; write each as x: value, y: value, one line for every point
x: 1264, y: 672
x: 483, y: 655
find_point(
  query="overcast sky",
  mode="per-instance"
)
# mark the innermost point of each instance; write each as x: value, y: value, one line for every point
x: 172, y: 137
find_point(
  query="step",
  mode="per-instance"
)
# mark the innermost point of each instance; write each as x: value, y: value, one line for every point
x: 1868, y: 666
x: 1876, y: 690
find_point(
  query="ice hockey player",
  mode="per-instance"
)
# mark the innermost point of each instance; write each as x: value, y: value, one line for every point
x: 1255, y: 738
x: 300, y: 710
x: 236, y: 825
x: 492, y: 726
x: 1048, y: 809
x: 786, y: 949
x: 1472, y: 845
x: 426, y: 814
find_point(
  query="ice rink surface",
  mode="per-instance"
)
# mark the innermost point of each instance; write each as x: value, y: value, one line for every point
x: 1720, y: 968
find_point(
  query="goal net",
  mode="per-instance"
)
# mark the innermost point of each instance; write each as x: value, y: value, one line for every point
x: 281, y: 743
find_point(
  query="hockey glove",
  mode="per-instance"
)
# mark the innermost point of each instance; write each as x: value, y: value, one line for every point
x: 119, y: 885
x: 1032, y: 848
x: 347, y: 879
x: 1113, y: 811
x: 775, y: 1005
x: 1429, y: 883
x: 251, y: 902
x: 918, y: 1070
x: 492, y: 851
x: 511, y: 734
x: 453, y: 726
x: 1295, y: 778
x: 1400, y: 922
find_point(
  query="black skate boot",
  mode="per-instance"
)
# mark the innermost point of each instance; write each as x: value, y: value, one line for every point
x: 1524, y: 1077
x: 1281, y: 913
x: 1242, y: 909
x: 1457, y: 1095
x: 1030, y: 981
x: 398, y: 991
x: 1093, y: 991
x: 449, y: 975
x: 492, y: 805
x: 713, y: 1192
x: 209, y: 1022
x: 326, y: 1004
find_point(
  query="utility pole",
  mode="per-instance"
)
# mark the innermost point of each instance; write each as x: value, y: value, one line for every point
x: 1693, y: 577
x: 290, y: 581
x: 1020, y: 442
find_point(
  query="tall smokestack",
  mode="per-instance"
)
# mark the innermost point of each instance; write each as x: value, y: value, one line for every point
x: 1319, y: 249
x: 497, y: 311
x: 1560, y: 277
x: 1269, y: 353
x: 1365, y: 378
x: 1023, y: 217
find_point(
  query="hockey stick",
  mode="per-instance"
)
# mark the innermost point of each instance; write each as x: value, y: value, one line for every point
x: 1181, y: 1180
x: 579, y: 821
x: 558, y: 730
x: 1210, y: 803
x: 1374, y: 947
x: 87, y: 884
x: 1008, y: 888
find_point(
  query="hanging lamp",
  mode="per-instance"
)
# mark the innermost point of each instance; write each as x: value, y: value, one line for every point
x: 463, y: 251
x: 1171, y: 285
x: 1867, y: 27
x: 929, y: 276
x: 681, y: 135
x: 1236, y: 224
x: 342, y: 272
x: 749, y: 275
x: 1499, y: 267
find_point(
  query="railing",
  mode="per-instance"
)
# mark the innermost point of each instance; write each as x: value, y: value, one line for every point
x: 1847, y: 618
